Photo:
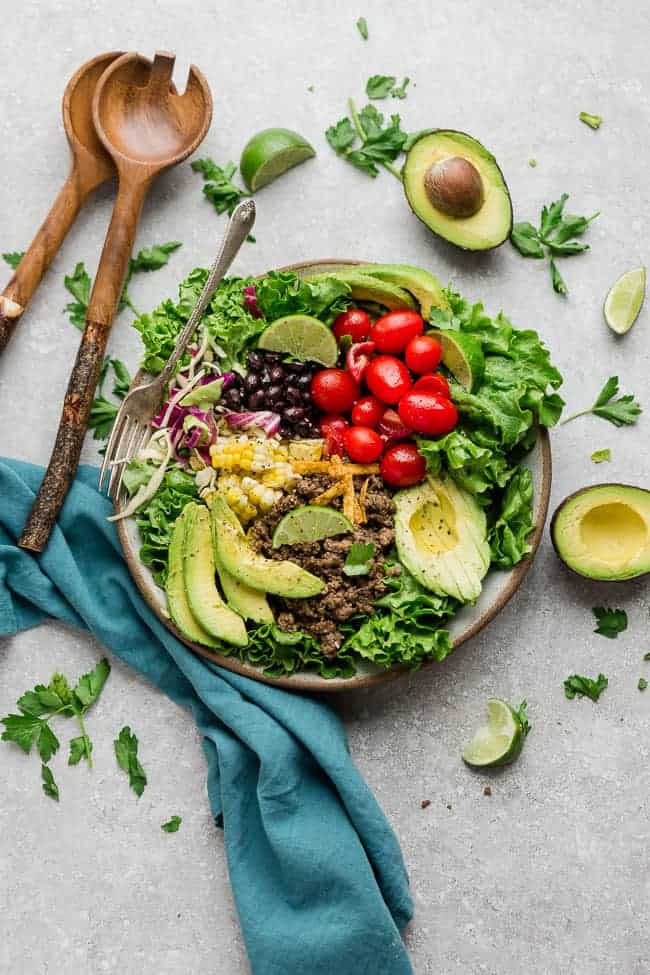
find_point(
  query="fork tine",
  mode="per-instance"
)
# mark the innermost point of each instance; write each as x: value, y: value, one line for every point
x: 130, y: 443
x: 113, y: 440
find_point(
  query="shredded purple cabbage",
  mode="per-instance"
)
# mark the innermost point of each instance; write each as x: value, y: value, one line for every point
x: 264, y: 419
x: 250, y: 301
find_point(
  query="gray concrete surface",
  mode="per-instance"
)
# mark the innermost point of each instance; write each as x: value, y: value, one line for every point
x: 549, y: 875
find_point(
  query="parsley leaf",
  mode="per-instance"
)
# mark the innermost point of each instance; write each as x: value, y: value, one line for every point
x: 123, y: 378
x: 223, y: 194
x: 22, y: 729
x: 362, y: 27
x: 575, y: 685
x: 341, y: 136
x: 559, y: 285
x: 399, y: 91
x: 48, y: 743
x: 621, y: 412
x: 102, y: 417
x: 555, y: 237
x: 13, y: 258
x: 380, y: 85
x: 80, y: 747
x: 593, y: 121
x: 380, y: 144
x: 522, y: 714
x: 78, y: 284
x: 90, y: 686
x: 642, y: 684
x: 50, y: 788
x: 599, y: 456
x: 359, y: 559
x: 611, y: 622
x: 147, y: 259
x: 126, y: 753
x: 172, y: 825
x: 524, y: 237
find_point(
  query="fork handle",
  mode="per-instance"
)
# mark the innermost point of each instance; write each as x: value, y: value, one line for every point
x: 78, y: 400
x: 241, y: 224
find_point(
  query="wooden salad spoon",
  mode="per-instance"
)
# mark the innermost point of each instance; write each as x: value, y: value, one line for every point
x: 91, y: 166
x: 146, y: 128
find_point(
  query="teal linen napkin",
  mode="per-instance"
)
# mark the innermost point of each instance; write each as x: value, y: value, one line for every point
x: 316, y: 871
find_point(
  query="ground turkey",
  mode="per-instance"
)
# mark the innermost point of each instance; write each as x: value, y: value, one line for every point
x: 343, y: 596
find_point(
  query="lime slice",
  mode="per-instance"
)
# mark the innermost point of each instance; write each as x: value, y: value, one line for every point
x: 624, y: 300
x: 310, y: 524
x: 271, y: 153
x: 463, y: 356
x: 500, y: 741
x: 303, y: 337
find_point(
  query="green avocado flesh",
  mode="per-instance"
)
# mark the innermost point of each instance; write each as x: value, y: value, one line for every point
x: 203, y: 597
x: 424, y: 286
x: 487, y: 228
x: 366, y: 288
x: 249, y: 603
x: 441, y: 537
x: 179, y: 607
x: 282, y: 578
x: 603, y: 532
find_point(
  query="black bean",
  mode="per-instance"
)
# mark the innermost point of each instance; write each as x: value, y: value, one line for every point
x: 252, y: 382
x: 271, y: 358
x: 237, y: 381
x: 304, y: 380
x: 294, y: 367
x: 232, y: 398
x: 275, y: 393
x: 303, y: 429
x: 305, y: 396
x: 294, y: 414
x: 257, y: 400
x: 278, y: 374
x: 265, y: 376
x: 293, y: 395
x: 255, y: 360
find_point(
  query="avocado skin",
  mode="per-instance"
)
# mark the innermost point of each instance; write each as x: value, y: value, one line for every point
x: 556, y: 528
x: 179, y: 607
x: 410, y: 191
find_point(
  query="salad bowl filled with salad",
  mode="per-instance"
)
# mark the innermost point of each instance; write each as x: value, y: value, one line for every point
x: 349, y: 476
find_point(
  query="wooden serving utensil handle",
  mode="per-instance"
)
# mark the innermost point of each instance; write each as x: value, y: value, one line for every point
x: 41, y: 252
x: 85, y: 374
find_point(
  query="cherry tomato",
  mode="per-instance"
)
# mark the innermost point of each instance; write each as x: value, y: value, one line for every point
x: 333, y: 429
x: 433, y: 384
x: 393, y: 332
x: 363, y: 445
x: 388, y: 378
x: 391, y: 428
x: 367, y: 412
x: 427, y: 413
x: 423, y: 354
x: 357, y: 359
x: 334, y: 390
x: 354, y: 322
x: 403, y: 465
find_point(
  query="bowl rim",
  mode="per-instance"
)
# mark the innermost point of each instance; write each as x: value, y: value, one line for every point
x: 313, y: 683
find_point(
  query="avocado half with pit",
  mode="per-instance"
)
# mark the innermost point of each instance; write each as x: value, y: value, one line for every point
x: 603, y: 532
x: 454, y: 185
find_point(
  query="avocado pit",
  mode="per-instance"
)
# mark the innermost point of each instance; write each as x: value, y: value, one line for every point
x: 455, y: 187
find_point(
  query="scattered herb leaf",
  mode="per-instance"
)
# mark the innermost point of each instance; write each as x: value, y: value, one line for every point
x: 172, y: 825
x: 359, y: 559
x: 522, y: 714
x: 380, y: 85
x: 646, y: 656
x: 532, y: 163
x: 362, y: 27
x: 50, y: 788
x: 78, y: 284
x: 599, y: 456
x: 126, y: 753
x: 380, y: 144
x: 558, y: 282
x: 310, y: 88
x: 585, y: 686
x: 13, y: 258
x: 642, y: 684
x: 399, y: 91
x: 611, y: 622
x: 80, y: 747
x: 147, y: 259
x: 593, y: 121
x: 223, y: 194
x: 621, y: 412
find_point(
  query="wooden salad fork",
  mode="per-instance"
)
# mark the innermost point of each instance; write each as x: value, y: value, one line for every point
x: 132, y: 423
x: 146, y: 128
x: 91, y: 166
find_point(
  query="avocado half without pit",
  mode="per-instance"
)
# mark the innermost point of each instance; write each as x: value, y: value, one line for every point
x: 603, y: 532
x: 454, y: 185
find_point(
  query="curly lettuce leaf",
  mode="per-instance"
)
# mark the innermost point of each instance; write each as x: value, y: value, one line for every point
x: 475, y: 468
x: 156, y: 520
x: 282, y: 293
x: 508, y: 535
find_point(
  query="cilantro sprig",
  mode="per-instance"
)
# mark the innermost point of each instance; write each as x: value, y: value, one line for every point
x: 380, y: 86
x: 623, y: 411
x: 555, y: 237
x: 38, y: 706
x: 578, y: 686
x: 219, y: 188
x: 126, y: 753
x: 13, y: 258
x: 611, y: 622
x: 103, y: 411
x: 364, y: 139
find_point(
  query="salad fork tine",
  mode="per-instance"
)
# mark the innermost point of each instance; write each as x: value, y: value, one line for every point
x: 142, y: 403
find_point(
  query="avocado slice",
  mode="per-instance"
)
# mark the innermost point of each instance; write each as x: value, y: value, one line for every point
x: 203, y: 597
x: 424, y: 286
x: 486, y: 228
x: 363, y: 287
x: 247, y: 602
x: 179, y: 607
x: 441, y: 537
x: 283, y: 578
x: 603, y: 532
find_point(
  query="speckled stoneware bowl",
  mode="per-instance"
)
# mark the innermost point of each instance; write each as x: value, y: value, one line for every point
x: 498, y: 586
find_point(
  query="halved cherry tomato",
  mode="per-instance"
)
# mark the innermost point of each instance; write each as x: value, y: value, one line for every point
x: 403, y: 465
x: 428, y: 413
x: 391, y: 428
x: 423, y: 354
x: 393, y: 332
x: 357, y: 359
x: 363, y: 445
x: 435, y: 383
x: 388, y: 378
x: 334, y: 390
x: 367, y: 412
x: 354, y: 322
x: 333, y: 430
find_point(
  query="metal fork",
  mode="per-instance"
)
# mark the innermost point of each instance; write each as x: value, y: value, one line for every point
x: 131, y: 427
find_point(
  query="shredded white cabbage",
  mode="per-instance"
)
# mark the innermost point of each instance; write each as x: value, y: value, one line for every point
x: 147, y: 491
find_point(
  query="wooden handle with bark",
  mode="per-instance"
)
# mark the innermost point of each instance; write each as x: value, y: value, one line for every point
x: 85, y: 374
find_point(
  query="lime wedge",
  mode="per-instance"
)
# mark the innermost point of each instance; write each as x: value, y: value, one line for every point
x: 271, y: 153
x: 500, y: 741
x: 624, y: 300
x: 463, y: 356
x: 303, y: 337
x: 310, y: 524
